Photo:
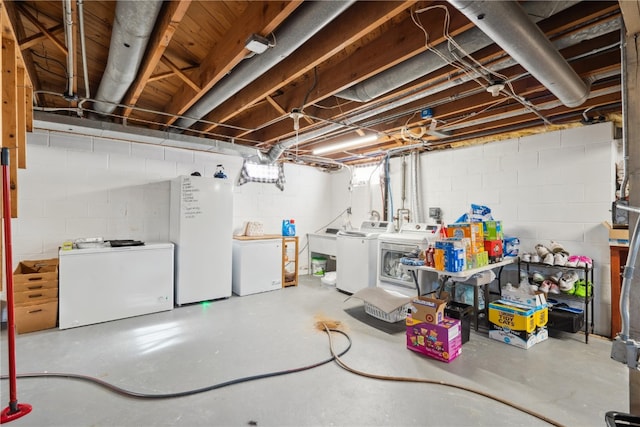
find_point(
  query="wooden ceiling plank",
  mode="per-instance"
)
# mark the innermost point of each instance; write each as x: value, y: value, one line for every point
x: 610, y: 59
x: 57, y: 43
x: 172, y: 15
x: 346, y: 29
x: 178, y: 72
x: 263, y: 17
x: 404, y: 41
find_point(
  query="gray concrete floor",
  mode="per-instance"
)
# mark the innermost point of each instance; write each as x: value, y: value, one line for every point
x: 194, y: 346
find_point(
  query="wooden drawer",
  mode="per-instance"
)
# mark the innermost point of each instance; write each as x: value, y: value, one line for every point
x: 35, y: 296
x: 35, y: 286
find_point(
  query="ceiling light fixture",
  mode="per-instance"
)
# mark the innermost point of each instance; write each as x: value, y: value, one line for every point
x: 345, y: 144
x: 495, y: 88
x: 256, y: 44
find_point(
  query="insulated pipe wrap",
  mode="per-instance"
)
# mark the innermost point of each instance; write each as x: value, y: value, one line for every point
x: 309, y: 19
x: 506, y: 23
x: 133, y: 24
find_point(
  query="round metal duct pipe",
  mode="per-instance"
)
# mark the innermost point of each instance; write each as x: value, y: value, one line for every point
x: 132, y: 27
x: 507, y: 24
x: 307, y: 20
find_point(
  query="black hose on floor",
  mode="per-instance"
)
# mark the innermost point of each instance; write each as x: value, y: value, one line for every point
x: 346, y: 367
x: 335, y: 357
x: 129, y: 393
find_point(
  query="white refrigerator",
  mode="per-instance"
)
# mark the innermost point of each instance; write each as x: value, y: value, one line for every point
x: 257, y: 265
x: 201, y: 228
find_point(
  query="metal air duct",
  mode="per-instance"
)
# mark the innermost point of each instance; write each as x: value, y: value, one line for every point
x: 569, y: 40
x: 309, y: 19
x: 508, y: 25
x: 420, y: 65
x: 133, y: 24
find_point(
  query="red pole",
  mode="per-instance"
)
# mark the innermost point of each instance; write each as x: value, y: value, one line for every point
x: 15, y: 410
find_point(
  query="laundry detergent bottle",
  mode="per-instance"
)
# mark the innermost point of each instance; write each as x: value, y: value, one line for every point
x: 288, y: 227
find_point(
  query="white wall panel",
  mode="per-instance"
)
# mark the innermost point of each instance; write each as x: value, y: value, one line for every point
x: 556, y: 185
x: 111, y: 146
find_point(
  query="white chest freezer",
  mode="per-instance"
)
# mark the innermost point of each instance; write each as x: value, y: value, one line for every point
x: 257, y: 265
x: 102, y: 284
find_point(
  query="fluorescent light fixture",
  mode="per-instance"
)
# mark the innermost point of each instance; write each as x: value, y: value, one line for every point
x: 256, y: 43
x: 346, y: 144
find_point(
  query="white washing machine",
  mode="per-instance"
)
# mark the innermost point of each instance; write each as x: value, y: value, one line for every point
x: 393, y: 246
x: 357, y: 256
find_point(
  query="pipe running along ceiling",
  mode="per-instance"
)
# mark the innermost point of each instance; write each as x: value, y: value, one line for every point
x: 415, y: 73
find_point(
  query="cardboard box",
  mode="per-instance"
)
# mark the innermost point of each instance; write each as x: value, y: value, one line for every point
x: 36, y: 317
x: 454, y: 250
x: 36, y: 271
x: 471, y: 230
x: 619, y: 236
x: 428, y: 310
x: 442, y: 342
x: 479, y: 259
x: 517, y: 324
x: 524, y: 298
x: 494, y: 250
x: 492, y: 230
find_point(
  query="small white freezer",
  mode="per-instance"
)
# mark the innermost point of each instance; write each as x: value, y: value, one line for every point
x: 257, y: 264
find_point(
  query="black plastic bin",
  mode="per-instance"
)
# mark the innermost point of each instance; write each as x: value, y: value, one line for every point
x: 563, y: 320
x: 462, y: 312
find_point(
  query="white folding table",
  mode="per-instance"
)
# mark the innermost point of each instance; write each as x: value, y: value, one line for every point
x: 446, y: 275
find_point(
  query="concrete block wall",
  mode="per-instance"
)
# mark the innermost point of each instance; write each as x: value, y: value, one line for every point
x: 79, y: 186
x: 553, y: 186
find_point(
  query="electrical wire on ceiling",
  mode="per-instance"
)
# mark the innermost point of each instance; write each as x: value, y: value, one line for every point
x: 47, y: 59
x: 465, y: 67
x: 81, y: 109
x: 338, y: 104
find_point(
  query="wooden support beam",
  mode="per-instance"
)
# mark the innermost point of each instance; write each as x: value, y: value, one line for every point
x: 166, y: 75
x: 42, y: 29
x: 263, y: 18
x: 281, y: 110
x: 9, y: 94
x: 28, y: 108
x: 13, y: 181
x: 165, y: 27
x: 21, y: 130
x: 10, y: 116
x: 177, y: 71
x: 37, y: 38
